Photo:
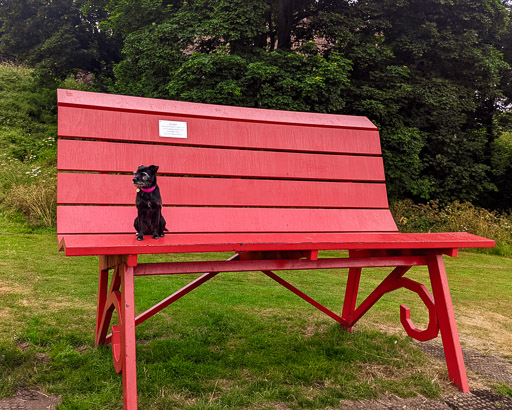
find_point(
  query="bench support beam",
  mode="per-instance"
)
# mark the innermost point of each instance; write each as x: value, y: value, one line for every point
x: 119, y: 296
x: 302, y: 295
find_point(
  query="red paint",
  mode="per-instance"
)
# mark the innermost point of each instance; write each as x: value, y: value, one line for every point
x: 77, y: 155
x: 148, y: 269
x: 447, y: 325
x: 218, y: 132
x: 432, y: 329
x: 276, y: 186
x: 105, y: 189
x: 127, y: 244
x: 305, y: 297
x: 83, y: 99
x: 112, y: 219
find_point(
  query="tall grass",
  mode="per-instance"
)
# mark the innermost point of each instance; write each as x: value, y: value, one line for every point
x: 28, y: 149
x: 36, y: 202
x: 456, y: 217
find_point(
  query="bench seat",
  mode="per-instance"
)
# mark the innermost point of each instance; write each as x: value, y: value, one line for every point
x: 126, y: 244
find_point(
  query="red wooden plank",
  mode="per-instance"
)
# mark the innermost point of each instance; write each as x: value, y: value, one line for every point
x: 222, y: 132
x: 126, y: 157
x: 176, y: 268
x: 104, y: 189
x: 150, y: 105
x: 127, y: 244
x: 114, y: 219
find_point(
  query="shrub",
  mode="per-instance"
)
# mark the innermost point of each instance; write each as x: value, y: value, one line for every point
x: 456, y: 217
x: 37, y: 202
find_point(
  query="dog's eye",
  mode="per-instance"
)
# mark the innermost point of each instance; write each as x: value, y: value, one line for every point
x: 145, y: 177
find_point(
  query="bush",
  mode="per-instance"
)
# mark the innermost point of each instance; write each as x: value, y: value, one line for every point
x: 456, y: 217
x: 37, y: 202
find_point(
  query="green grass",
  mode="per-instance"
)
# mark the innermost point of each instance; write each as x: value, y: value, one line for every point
x: 238, y: 341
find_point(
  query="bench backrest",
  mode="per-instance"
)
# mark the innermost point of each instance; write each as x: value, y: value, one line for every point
x: 222, y: 169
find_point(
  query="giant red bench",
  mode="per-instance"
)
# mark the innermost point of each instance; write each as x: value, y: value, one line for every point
x: 273, y: 187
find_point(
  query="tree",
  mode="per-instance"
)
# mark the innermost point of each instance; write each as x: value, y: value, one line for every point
x: 432, y: 74
x: 56, y: 37
x: 223, y: 52
x: 443, y: 61
x: 299, y: 81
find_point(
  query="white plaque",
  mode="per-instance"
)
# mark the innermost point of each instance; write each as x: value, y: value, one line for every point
x: 172, y: 129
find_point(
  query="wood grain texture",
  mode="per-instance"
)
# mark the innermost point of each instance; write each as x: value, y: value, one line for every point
x: 105, y: 189
x: 84, y: 99
x: 219, y: 132
x: 115, y: 219
x: 126, y: 157
x: 127, y: 244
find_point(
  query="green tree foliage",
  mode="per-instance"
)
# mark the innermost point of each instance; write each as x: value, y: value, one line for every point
x: 300, y: 81
x: 432, y: 74
x: 56, y: 37
x: 227, y: 52
x: 435, y: 66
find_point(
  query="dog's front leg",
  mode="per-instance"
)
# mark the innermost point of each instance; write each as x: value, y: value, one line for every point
x: 139, y: 226
x: 155, y: 222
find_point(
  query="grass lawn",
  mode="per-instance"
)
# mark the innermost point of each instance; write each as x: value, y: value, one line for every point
x: 238, y: 341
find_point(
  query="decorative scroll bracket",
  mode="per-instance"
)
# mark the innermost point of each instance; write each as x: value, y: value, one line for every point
x: 393, y: 281
x: 432, y: 329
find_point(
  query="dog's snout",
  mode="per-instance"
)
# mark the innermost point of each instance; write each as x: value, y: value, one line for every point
x: 134, y: 179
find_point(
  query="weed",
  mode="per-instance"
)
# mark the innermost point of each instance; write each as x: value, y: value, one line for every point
x: 456, y: 217
x: 504, y: 389
x: 37, y: 202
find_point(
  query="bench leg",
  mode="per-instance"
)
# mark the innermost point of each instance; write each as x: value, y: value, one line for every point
x: 119, y: 297
x: 102, y: 300
x: 351, y: 291
x: 128, y: 343
x: 108, y: 300
x: 447, y: 325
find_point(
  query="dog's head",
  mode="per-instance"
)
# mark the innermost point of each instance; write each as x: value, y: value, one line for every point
x: 145, y: 177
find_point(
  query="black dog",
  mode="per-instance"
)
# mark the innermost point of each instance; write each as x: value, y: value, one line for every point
x: 149, y: 219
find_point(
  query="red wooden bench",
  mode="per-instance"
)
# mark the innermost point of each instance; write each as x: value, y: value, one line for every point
x: 272, y: 187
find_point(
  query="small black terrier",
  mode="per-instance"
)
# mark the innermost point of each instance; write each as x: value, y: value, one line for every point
x: 149, y: 219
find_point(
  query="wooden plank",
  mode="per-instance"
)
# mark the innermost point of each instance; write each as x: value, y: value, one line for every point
x: 126, y: 244
x: 115, y: 219
x: 178, y: 160
x: 86, y: 99
x: 222, y: 132
x: 104, y: 189
x: 166, y: 268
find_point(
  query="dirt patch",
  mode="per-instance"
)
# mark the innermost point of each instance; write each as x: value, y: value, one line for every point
x: 314, y: 328
x: 478, y: 399
x: 5, y: 312
x: 485, y: 330
x: 30, y: 400
x: 11, y: 287
x: 419, y: 402
x: 490, y: 367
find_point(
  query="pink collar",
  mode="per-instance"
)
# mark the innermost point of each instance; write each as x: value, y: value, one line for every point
x: 148, y: 190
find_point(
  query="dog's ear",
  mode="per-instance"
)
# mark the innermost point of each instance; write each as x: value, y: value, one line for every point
x: 153, y: 168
